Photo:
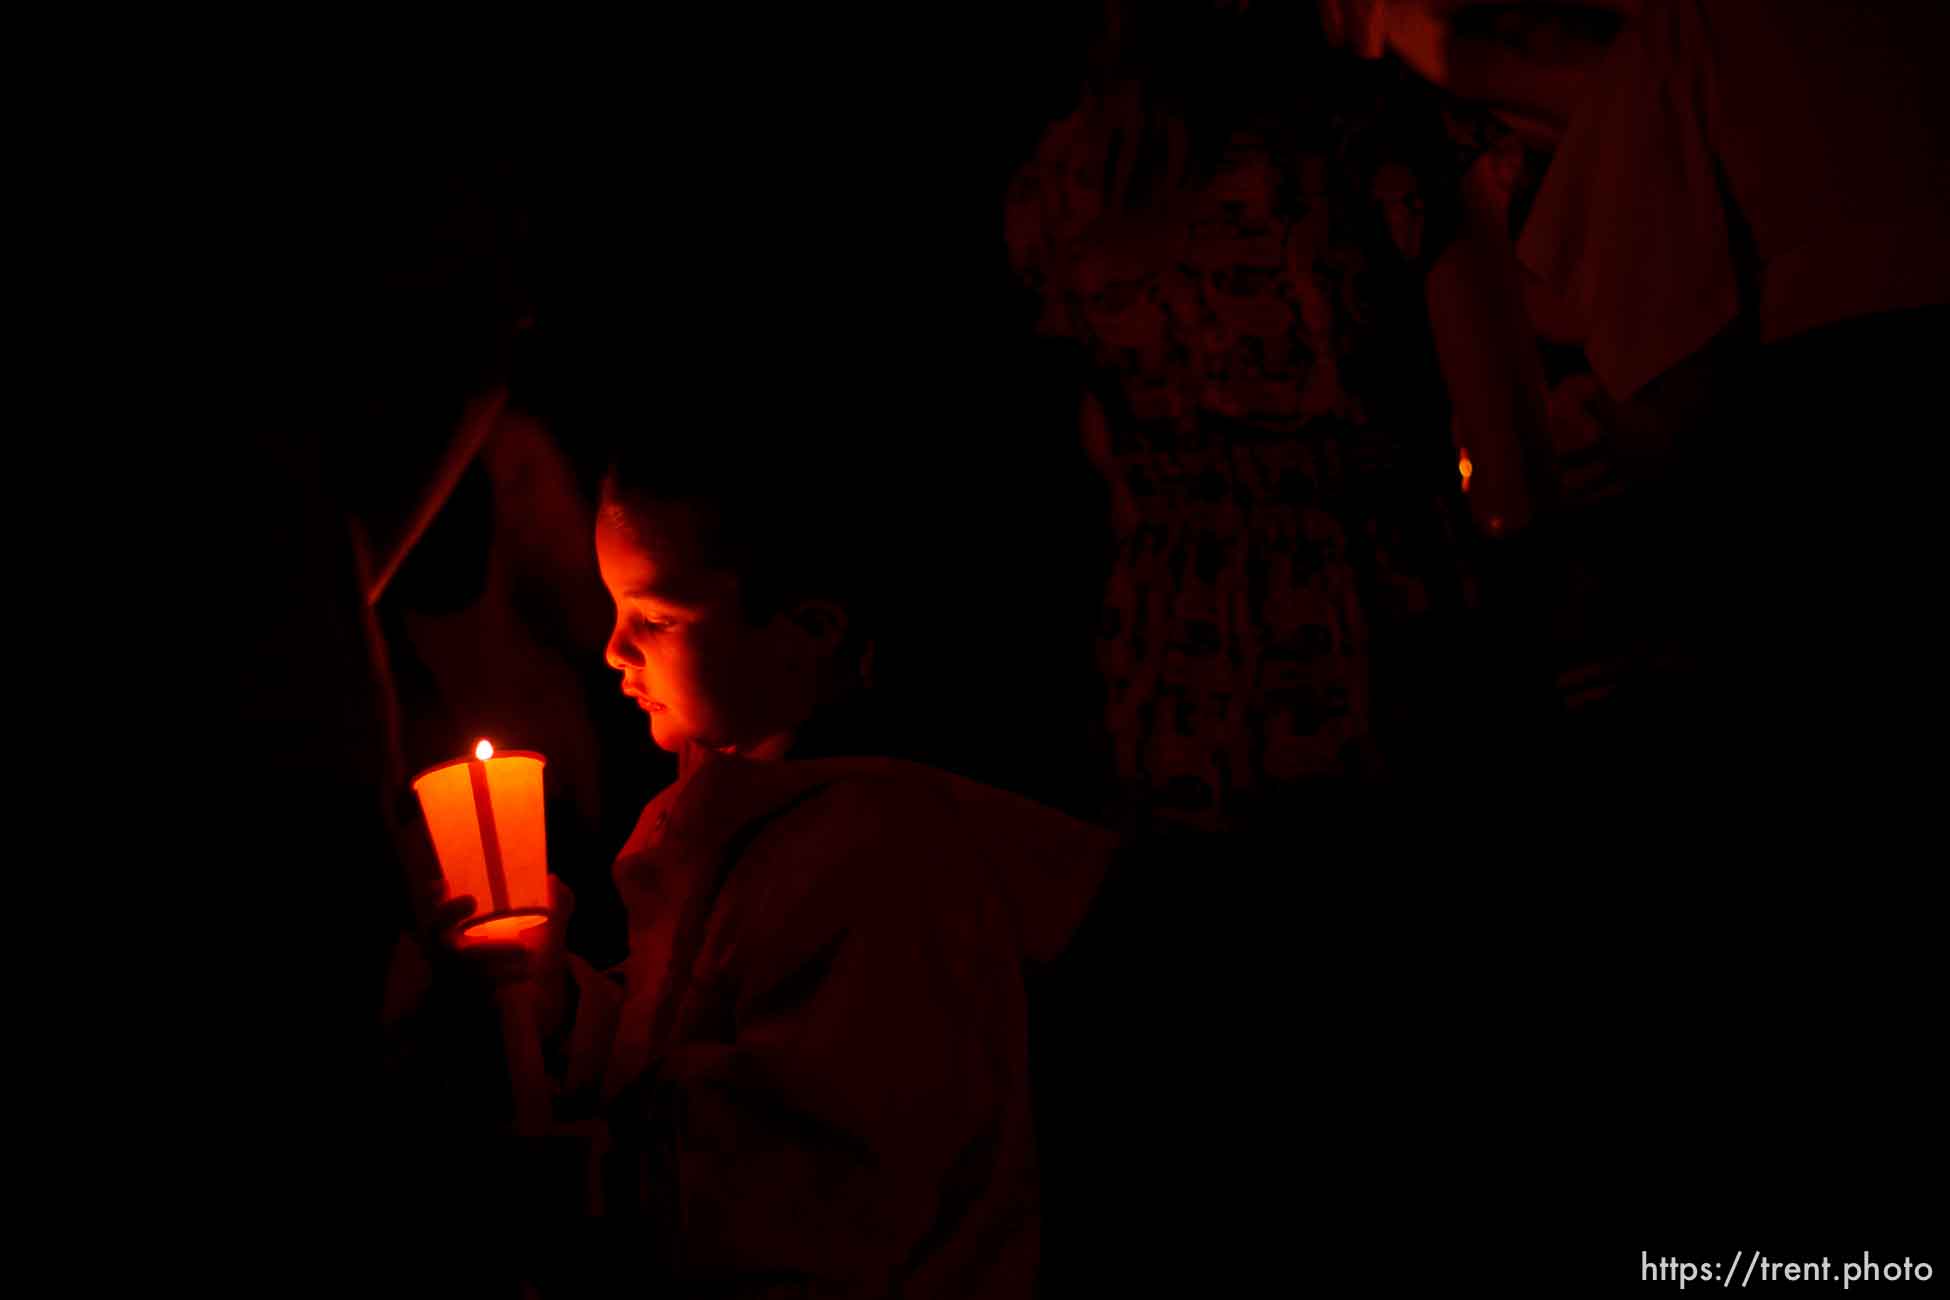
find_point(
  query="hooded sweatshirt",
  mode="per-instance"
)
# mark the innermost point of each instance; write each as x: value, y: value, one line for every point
x: 814, y: 1067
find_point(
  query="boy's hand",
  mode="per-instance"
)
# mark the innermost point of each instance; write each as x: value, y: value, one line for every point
x: 538, y: 953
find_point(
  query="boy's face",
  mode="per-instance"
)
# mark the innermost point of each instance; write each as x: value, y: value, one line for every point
x: 689, y: 657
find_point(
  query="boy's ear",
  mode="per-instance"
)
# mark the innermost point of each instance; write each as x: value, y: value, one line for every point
x: 822, y: 621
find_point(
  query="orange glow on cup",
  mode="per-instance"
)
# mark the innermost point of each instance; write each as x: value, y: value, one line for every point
x: 486, y: 816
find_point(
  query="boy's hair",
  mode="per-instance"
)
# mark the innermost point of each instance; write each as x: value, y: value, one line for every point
x: 781, y: 516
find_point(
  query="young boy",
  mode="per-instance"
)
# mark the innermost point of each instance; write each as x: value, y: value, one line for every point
x: 814, y: 1065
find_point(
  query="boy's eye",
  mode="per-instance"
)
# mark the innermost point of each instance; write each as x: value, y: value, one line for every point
x: 650, y: 624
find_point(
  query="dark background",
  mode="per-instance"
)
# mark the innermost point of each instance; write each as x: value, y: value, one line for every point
x: 398, y: 262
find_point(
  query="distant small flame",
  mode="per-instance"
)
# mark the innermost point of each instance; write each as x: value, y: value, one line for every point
x: 1465, y: 468
x: 484, y: 751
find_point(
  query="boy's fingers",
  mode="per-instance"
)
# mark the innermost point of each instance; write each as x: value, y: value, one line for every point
x: 498, y: 961
x: 452, y: 912
x: 494, y: 954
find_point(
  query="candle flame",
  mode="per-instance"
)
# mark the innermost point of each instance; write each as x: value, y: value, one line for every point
x: 484, y: 751
x: 1465, y: 468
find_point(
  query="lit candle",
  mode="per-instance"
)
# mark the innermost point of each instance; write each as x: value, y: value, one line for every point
x: 486, y: 815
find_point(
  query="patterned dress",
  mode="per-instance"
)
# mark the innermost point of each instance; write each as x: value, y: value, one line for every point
x: 1268, y: 409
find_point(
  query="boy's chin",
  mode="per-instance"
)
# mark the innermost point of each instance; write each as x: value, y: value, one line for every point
x: 668, y: 735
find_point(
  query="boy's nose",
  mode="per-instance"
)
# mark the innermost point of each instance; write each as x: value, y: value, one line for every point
x: 619, y: 654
